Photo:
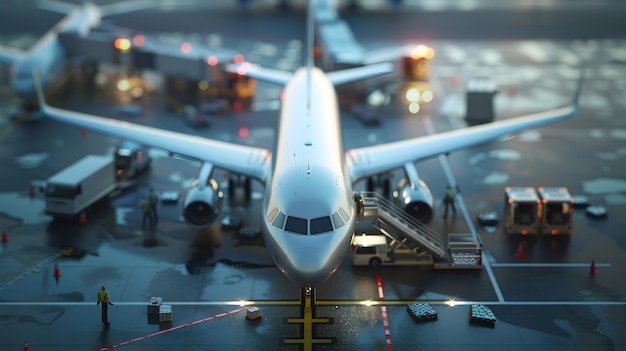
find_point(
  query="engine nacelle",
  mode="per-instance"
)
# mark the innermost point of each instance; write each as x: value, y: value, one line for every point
x: 203, y: 204
x: 416, y: 200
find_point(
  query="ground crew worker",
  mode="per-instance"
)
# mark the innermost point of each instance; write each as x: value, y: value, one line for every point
x: 448, y: 201
x: 154, y: 199
x: 104, y: 299
x: 147, y: 213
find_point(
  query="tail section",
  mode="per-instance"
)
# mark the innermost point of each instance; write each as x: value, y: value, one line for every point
x: 336, y: 77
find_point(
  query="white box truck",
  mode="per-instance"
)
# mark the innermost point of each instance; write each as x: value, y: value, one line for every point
x: 75, y: 188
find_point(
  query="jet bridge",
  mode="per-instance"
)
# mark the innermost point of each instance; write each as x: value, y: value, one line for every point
x: 462, y: 251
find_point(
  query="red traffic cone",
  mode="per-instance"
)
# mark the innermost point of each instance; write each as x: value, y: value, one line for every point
x: 5, y: 236
x: 26, y: 347
x: 520, y: 251
x: 56, y: 273
x: 83, y: 218
x: 31, y: 191
x: 593, y: 270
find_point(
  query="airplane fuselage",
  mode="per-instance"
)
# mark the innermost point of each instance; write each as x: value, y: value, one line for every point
x: 47, y: 55
x: 308, y: 211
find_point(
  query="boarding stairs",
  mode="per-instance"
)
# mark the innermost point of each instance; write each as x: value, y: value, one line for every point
x: 462, y: 251
x: 401, y: 228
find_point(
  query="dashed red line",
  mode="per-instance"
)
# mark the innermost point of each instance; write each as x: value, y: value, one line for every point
x: 383, y: 312
x: 165, y: 331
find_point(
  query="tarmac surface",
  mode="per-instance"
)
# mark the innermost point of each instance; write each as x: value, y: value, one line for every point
x: 541, y: 290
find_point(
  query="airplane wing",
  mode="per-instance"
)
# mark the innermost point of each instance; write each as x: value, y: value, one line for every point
x: 56, y: 6
x: 113, y: 9
x: 123, y: 7
x: 246, y: 160
x: 370, y: 160
x: 10, y: 55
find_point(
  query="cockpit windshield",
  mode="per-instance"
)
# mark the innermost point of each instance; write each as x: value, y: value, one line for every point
x: 303, y: 226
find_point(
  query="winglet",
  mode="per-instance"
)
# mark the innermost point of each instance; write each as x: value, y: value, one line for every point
x: 579, y: 88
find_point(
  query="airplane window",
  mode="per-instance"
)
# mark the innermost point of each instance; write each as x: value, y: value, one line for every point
x: 296, y: 225
x: 338, y: 220
x: 272, y: 214
x: 279, y: 221
x: 344, y: 214
x: 321, y: 225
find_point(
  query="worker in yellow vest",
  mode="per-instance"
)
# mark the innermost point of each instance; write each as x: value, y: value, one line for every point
x: 104, y: 299
x: 448, y: 201
x: 154, y: 199
x: 147, y: 214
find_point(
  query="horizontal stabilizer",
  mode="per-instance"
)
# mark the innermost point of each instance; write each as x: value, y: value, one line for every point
x: 359, y: 73
x: 269, y: 75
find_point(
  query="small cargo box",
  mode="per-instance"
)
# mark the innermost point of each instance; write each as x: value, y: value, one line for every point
x: 154, y: 304
x: 165, y: 313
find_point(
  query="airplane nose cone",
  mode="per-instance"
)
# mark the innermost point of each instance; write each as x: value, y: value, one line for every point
x: 309, y: 266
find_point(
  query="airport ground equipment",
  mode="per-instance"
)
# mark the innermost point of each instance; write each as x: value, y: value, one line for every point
x: 542, y: 210
x: 557, y: 209
x: 157, y: 311
x: 403, y: 240
x: 75, y: 188
x: 130, y: 160
x: 165, y: 313
x: 422, y: 312
x: 479, y: 100
x: 521, y: 209
x: 488, y: 218
x: 481, y: 314
x: 596, y: 211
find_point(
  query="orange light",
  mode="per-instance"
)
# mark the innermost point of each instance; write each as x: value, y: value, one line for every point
x: 422, y: 51
x: 212, y: 60
x: 185, y: 48
x: 553, y: 232
x: 524, y: 231
x: 243, y: 132
x: 122, y: 44
x: 139, y: 40
x: 238, y: 58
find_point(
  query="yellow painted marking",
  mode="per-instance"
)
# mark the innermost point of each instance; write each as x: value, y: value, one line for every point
x: 307, y: 321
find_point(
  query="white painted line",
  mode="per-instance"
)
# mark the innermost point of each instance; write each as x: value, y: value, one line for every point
x: 355, y: 302
x: 494, y: 283
x: 548, y: 265
x: 445, y: 165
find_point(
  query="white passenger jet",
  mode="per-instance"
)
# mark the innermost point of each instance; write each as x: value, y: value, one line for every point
x: 47, y: 55
x: 308, y: 209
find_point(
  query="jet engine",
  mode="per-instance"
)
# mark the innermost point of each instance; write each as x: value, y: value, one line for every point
x: 203, y: 201
x: 415, y: 198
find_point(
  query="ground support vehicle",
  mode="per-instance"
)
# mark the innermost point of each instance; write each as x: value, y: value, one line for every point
x: 402, y: 240
x: 77, y: 187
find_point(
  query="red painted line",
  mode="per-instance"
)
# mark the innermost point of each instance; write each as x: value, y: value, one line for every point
x: 165, y: 331
x: 379, y: 283
x: 383, y: 312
